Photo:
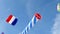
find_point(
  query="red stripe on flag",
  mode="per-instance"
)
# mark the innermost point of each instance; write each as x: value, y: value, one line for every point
x: 38, y: 16
x: 9, y: 18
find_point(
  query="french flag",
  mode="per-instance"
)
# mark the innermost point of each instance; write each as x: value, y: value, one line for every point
x: 11, y: 20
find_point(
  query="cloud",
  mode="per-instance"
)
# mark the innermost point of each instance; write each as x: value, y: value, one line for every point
x: 56, y: 25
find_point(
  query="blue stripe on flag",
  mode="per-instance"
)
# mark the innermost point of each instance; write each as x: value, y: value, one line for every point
x: 34, y: 20
x: 27, y: 29
x: 15, y: 21
x: 31, y: 25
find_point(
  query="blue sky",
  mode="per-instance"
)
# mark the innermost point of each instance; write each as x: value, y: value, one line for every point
x: 24, y: 11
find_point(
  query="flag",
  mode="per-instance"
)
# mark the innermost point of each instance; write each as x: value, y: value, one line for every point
x: 11, y: 20
x: 31, y: 24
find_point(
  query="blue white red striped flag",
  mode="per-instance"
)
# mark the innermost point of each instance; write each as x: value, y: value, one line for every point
x: 11, y: 20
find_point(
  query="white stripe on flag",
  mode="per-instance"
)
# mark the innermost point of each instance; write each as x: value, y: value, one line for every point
x: 26, y: 29
x: 29, y: 26
x: 33, y: 21
x: 12, y: 19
